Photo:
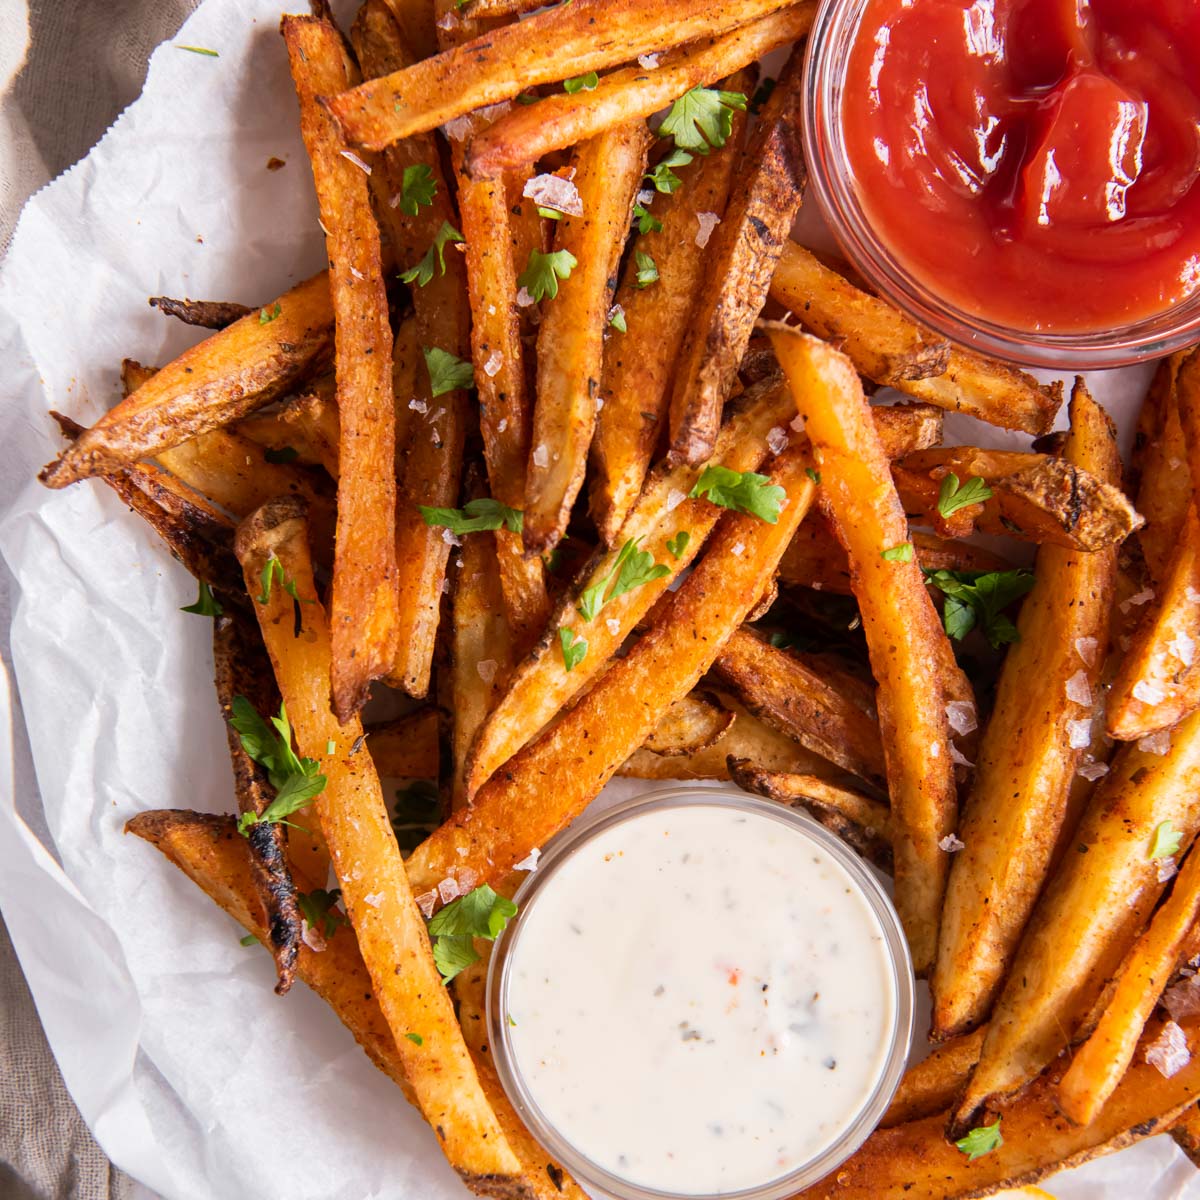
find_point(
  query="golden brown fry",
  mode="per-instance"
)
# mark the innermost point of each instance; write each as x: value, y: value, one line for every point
x: 694, y: 723
x: 638, y: 363
x: 528, y: 133
x: 375, y: 889
x: 805, y: 702
x: 1186, y: 1133
x: 226, y: 376
x: 364, y: 599
x: 570, y: 343
x: 1098, y: 1065
x: 208, y: 314
x: 932, y: 1085
x: 1036, y: 497
x: 910, y: 656
x: 1165, y: 487
x: 1026, y: 765
x: 406, y: 748
x: 1089, y: 914
x: 744, y: 250
x: 314, y: 420
x: 889, y: 349
x: 564, y: 42
x: 549, y: 783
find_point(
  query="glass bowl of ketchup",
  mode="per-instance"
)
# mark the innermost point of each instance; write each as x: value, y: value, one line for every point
x: 1021, y: 175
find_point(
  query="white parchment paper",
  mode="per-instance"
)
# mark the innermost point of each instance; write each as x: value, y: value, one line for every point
x: 195, y: 1078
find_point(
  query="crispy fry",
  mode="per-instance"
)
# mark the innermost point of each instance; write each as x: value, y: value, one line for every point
x: 1035, y: 497
x: 635, y: 383
x: 1164, y: 490
x: 208, y: 314
x: 547, y: 784
x: 315, y: 419
x: 744, y: 250
x: 226, y: 376
x: 587, y: 35
x: 375, y: 889
x: 364, y: 616
x: 1026, y: 765
x: 905, y: 638
x: 406, y: 748
x: 889, y: 349
x: 932, y: 1085
x: 570, y: 343
x: 286, y: 440
x: 1089, y: 914
x: 526, y: 134
x: 804, y: 702
x: 1097, y: 1066
x: 693, y: 723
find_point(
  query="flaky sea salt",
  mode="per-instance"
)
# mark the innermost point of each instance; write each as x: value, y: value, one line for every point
x: 958, y: 758
x: 674, y: 499
x: 541, y: 456
x: 707, y: 222
x: 1167, y: 870
x: 1183, y: 1000
x: 1183, y: 647
x: 935, y: 749
x: 495, y: 361
x: 458, y: 128
x: 1079, y: 733
x: 502, y: 425
x: 447, y: 890
x: 552, y: 191
x: 487, y: 669
x: 312, y: 938
x: 1169, y: 1051
x: 951, y: 844
x: 357, y: 273
x: 1137, y: 599
x: 797, y: 423
x: 350, y: 156
x: 419, y: 406
x: 524, y: 299
x: 648, y: 61
x: 962, y: 717
x: 1155, y: 743
x: 426, y: 902
x: 530, y: 861
x: 1079, y: 689
x: 451, y: 538
x: 1091, y: 771
x: 1147, y: 692
x: 645, y: 196
x: 441, y: 412
x: 1088, y: 649
x: 737, y: 549
x: 614, y: 626
x: 468, y: 877
x: 374, y: 899
x: 777, y: 439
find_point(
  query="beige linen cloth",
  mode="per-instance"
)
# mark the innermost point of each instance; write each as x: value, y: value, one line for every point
x: 67, y: 69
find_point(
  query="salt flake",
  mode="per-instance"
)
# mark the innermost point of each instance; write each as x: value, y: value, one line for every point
x: 614, y: 626
x: 552, y: 191
x: 426, y: 902
x: 738, y: 549
x: 1079, y: 733
x: 958, y: 758
x: 419, y: 406
x: 777, y: 439
x: 447, y: 890
x: 458, y: 128
x: 1079, y: 689
x: 707, y: 222
x: 1155, y: 743
x: 468, y: 877
x: 487, y: 669
x: 1167, y: 870
x: 495, y: 361
x: 350, y: 156
x: 645, y: 196
x: 530, y: 861
x: 524, y: 299
x: 951, y: 844
x: 541, y: 456
x: 1088, y: 648
x: 502, y: 425
x: 1183, y: 1000
x: 1169, y: 1051
x: 1137, y: 599
x: 374, y: 899
x: 1091, y: 771
x: 1183, y: 647
x: 648, y: 61
x: 312, y: 938
x: 451, y: 538
x: 962, y: 717
x: 674, y: 499
x: 1147, y: 692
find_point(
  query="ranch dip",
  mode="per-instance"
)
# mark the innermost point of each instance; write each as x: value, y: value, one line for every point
x: 699, y: 997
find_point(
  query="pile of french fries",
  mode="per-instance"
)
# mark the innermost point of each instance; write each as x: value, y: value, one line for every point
x: 571, y: 447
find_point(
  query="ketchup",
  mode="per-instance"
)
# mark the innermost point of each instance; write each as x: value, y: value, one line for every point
x: 1033, y: 162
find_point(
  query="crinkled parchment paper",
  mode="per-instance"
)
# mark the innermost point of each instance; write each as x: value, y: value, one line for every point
x: 196, y: 1078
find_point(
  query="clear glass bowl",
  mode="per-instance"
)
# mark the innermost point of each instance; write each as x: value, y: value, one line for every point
x: 831, y: 179
x: 597, y: 1179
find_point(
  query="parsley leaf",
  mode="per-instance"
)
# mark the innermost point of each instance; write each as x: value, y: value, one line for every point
x: 647, y: 269
x: 815, y: 476
x: 317, y: 909
x: 447, y: 372
x: 662, y: 178
x: 416, y: 188
x: 416, y: 813
x: 574, y: 650
x: 474, y: 516
x: 679, y: 543
x: 273, y: 570
x: 979, y: 597
x: 551, y: 214
x: 423, y: 272
x: 981, y: 1141
x: 267, y: 315
x: 479, y: 914
x: 1165, y: 843
x: 632, y: 568
x: 206, y: 605
x: 295, y: 780
x: 581, y: 83
x: 250, y: 939
x: 415, y: 1038
x: 702, y: 118
x: 199, y: 50
x: 540, y: 277
x: 900, y: 553
x: 743, y: 491
x: 616, y: 319
x: 647, y: 222
x: 952, y: 497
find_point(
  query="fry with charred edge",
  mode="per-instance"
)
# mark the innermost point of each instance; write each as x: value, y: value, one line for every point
x: 889, y: 349
x: 917, y: 1162
x: 638, y: 363
x: 241, y: 668
x: 549, y: 782
x: 815, y: 558
x: 528, y: 133
x: 905, y: 639
x: 858, y: 820
x: 561, y: 43
x: 804, y: 702
x: 406, y: 748
x: 691, y: 724
x: 539, y: 687
x: 1186, y: 1133
x: 1026, y: 764
x: 1035, y: 497
x: 364, y: 601
x: 931, y: 1085
x: 223, y: 378
x: 570, y: 345
x: 744, y: 250
x: 366, y: 859
x: 1164, y: 492
x: 1089, y: 915
x: 207, y: 314
x: 1097, y: 1066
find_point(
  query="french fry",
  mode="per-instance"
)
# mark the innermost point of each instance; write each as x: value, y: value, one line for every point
x: 1185, y: 1132
x: 364, y: 604
x: 910, y: 656
x: 742, y: 256
x: 694, y: 723
x: 931, y: 1086
x: 207, y: 314
x: 889, y: 349
x: 1036, y: 497
x: 803, y: 701
x: 286, y: 441
x: 407, y: 747
x: 570, y: 345
x: 228, y: 375
x: 375, y: 888
x: 1026, y: 765
x: 315, y: 419
x: 1089, y: 915
x: 1164, y: 490
x: 526, y: 134
x: 561, y: 43
x: 550, y: 782
x: 1098, y: 1065
x: 638, y: 363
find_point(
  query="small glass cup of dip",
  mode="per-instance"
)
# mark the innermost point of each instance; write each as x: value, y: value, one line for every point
x: 539, y: 889
x: 831, y: 179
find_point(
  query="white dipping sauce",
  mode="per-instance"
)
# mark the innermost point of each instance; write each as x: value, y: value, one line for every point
x: 700, y: 999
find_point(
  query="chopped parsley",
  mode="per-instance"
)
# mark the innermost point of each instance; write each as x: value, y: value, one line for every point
x: 481, y: 913
x: 662, y: 178
x: 423, y: 272
x: 679, y: 543
x: 415, y: 1038
x: 206, y: 604
x: 632, y: 569
x: 815, y: 476
x: 981, y: 1141
x: 952, y: 496
x: 647, y: 269
x: 743, y: 491
x: 616, y: 319
x: 199, y: 50
x: 574, y: 650
x: 474, y: 516
x: 979, y: 598
x: 647, y: 222
x: 581, y: 83
x: 267, y: 315
x: 900, y: 553
x: 702, y: 118
x: 1165, y: 843
x: 416, y: 188
x: 550, y: 213
x: 317, y: 908
x: 544, y: 270
x: 447, y: 372
x: 272, y: 571
x: 250, y: 939
x: 416, y: 813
